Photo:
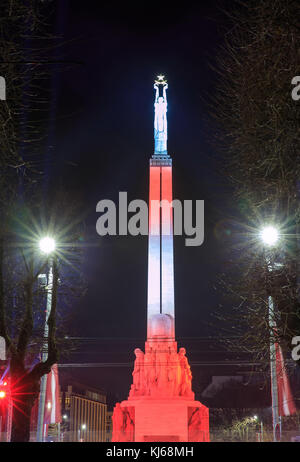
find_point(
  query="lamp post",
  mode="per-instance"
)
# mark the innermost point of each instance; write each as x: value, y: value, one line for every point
x: 259, y: 421
x: 83, y: 427
x: 270, y: 237
x: 47, y: 246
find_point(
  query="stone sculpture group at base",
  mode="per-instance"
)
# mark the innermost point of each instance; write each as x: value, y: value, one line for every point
x: 161, y: 373
x: 162, y: 384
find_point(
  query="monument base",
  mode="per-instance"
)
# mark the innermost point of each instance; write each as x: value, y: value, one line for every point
x: 161, y: 405
x: 166, y: 420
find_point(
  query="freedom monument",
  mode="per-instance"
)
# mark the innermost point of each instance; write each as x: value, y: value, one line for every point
x: 161, y: 405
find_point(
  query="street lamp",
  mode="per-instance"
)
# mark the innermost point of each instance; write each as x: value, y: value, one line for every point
x: 47, y: 246
x: 255, y: 419
x: 270, y: 236
x: 83, y: 427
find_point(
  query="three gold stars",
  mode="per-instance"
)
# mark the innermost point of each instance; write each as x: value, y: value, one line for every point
x: 161, y: 80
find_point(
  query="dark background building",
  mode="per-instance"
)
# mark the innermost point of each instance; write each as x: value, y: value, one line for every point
x: 84, y: 414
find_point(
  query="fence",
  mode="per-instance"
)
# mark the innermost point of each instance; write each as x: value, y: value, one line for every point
x: 252, y: 436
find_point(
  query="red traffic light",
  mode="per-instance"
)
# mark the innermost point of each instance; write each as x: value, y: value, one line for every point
x: 3, y: 391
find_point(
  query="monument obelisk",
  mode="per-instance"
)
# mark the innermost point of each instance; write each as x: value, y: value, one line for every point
x: 161, y: 404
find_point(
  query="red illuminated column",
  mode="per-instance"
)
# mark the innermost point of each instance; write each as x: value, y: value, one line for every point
x: 154, y: 274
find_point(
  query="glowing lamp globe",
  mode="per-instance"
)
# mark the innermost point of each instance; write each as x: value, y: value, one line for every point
x: 2, y: 394
x: 269, y: 235
x: 47, y: 245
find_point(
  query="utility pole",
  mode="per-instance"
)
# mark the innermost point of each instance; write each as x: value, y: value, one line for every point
x: 270, y: 237
x: 42, y: 398
x: 274, y: 386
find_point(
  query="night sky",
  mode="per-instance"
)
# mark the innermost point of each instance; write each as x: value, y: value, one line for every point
x: 102, y: 139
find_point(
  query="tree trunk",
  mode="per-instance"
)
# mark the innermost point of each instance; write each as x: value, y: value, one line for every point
x: 20, y: 431
x: 24, y: 393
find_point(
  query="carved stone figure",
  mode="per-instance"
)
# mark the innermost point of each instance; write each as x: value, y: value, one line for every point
x: 186, y: 374
x: 129, y: 424
x: 160, y: 118
x: 118, y: 423
x: 162, y: 373
x: 198, y: 426
x: 150, y: 372
x: 173, y: 373
x: 123, y: 424
x: 138, y: 372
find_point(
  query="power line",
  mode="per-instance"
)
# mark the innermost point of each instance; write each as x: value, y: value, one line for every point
x: 194, y: 364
